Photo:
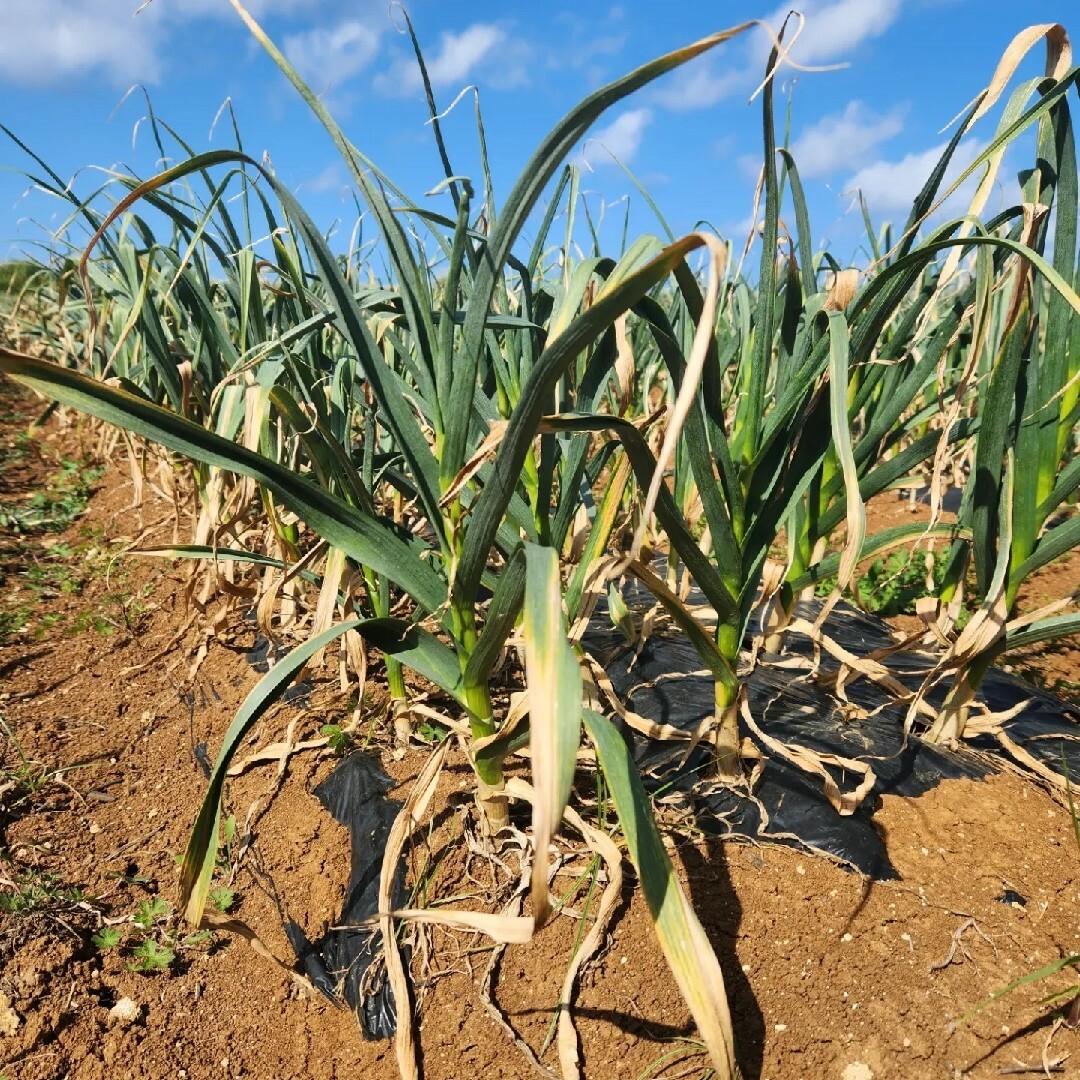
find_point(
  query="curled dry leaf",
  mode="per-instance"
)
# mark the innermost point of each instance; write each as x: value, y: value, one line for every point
x: 843, y: 287
x: 684, y: 401
x: 408, y: 817
x: 1058, y: 62
x: 484, y: 452
x: 811, y: 761
x: 510, y: 929
x: 602, y: 844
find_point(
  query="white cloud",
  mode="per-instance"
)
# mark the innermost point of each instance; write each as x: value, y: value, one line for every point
x: 589, y: 49
x: 450, y: 65
x: 331, y: 179
x: 749, y: 165
x: 700, y: 84
x: 738, y: 231
x: 621, y: 138
x: 330, y: 55
x: 889, y: 186
x: 832, y: 30
x: 509, y: 65
x: 585, y: 41
x: 459, y: 53
x: 842, y: 142
x: 45, y: 42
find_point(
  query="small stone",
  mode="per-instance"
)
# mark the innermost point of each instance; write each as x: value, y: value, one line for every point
x: 125, y: 1012
x: 857, y: 1070
x: 846, y: 937
x: 779, y: 1028
x: 9, y: 1018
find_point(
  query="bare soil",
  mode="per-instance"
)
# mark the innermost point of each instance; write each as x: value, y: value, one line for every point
x: 830, y: 975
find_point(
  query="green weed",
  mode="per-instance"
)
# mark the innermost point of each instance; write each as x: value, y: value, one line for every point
x: 154, y: 942
x: 107, y: 938
x: 25, y: 778
x: 37, y: 892
x: 62, y: 570
x: 225, y: 851
x: 21, y: 448
x: 432, y: 732
x: 52, y: 579
x: 90, y: 620
x: 150, y: 956
x: 893, y: 585
x: 13, y: 622
x: 222, y: 898
x: 52, y: 510
x: 338, y: 740
x: 149, y: 912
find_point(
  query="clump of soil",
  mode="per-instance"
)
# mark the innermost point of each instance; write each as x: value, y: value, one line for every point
x: 829, y: 974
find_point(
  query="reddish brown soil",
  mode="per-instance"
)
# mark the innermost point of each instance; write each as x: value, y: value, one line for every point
x: 825, y: 969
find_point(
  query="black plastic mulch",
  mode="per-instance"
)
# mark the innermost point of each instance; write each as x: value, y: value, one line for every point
x: 666, y: 684
x: 341, y: 963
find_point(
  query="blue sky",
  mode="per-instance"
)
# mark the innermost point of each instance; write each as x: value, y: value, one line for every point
x: 66, y: 67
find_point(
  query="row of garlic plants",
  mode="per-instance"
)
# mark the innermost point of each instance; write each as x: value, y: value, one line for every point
x: 463, y: 456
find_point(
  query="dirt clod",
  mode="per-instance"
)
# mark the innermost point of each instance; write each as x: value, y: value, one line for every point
x: 857, y: 1070
x: 125, y: 1012
x: 9, y: 1018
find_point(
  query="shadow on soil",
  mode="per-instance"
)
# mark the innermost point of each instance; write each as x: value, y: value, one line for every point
x: 1040, y: 1023
x: 713, y: 897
